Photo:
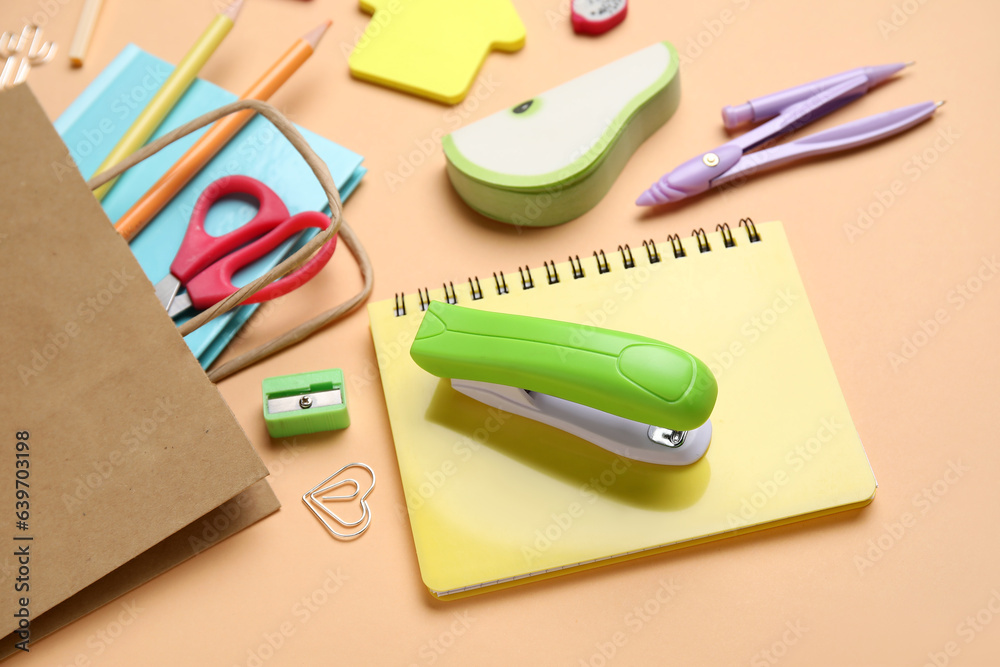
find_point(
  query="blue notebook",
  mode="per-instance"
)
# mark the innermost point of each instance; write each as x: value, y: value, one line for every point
x: 95, y: 121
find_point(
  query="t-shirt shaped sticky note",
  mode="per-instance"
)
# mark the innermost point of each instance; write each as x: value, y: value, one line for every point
x: 433, y: 48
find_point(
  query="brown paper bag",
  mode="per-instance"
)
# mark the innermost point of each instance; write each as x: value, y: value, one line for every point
x: 115, y: 449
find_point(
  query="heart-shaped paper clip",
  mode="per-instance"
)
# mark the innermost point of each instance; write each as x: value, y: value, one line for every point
x: 357, y: 488
x: 316, y: 501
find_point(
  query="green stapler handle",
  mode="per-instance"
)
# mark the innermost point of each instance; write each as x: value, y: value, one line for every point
x: 637, y: 378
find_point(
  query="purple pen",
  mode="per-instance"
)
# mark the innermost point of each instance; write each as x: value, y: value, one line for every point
x: 769, y: 106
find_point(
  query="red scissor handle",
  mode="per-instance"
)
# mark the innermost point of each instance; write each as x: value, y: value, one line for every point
x: 199, y: 249
x: 216, y: 282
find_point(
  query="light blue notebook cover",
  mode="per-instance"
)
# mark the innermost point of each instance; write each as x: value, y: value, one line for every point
x: 95, y: 121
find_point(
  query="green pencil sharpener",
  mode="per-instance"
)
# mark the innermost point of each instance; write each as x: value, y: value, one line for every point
x: 305, y: 403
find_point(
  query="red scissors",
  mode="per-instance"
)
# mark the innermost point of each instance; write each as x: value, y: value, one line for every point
x: 205, y: 264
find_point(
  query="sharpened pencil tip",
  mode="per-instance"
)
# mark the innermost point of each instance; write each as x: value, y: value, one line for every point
x: 316, y: 34
x: 941, y: 103
x: 910, y: 64
x: 232, y: 10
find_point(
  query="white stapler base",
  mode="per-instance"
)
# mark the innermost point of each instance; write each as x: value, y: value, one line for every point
x: 624, y: 437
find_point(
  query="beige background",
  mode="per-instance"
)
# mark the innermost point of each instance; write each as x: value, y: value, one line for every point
x: 901, y: 582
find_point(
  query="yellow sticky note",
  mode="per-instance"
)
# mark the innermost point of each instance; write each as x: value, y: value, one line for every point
x: 433, y: 48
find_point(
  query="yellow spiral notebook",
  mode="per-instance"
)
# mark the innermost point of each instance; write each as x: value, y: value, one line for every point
x: 495, y: 499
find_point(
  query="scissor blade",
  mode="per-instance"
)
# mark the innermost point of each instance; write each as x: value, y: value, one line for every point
x: 180, y: 303
x: 167, y: 289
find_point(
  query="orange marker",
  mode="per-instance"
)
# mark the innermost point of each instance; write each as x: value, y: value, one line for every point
x: 217, y: 136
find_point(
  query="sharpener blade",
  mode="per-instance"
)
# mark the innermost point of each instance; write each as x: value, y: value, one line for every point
x: 320, y: 399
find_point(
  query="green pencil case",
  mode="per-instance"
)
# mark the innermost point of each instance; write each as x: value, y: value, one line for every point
x: 550, y: 159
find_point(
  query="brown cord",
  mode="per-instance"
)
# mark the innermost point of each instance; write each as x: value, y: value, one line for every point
x: 298, y: 258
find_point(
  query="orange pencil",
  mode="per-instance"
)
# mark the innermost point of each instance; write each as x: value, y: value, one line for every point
x: 151, y: 203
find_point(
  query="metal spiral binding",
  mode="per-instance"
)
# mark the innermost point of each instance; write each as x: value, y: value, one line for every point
x: 654, y: 254
x: 602, y: 262
x: 727, y: 234
x: 600, y: 259
x: 477, y: 291
x: 501, y: 284
x: 675, y: 243
x: 702, y: 239
x: 450, y: 298
x: 527, y: 282
x: 751, y: 229
x: 627, y: 260
x: 551, y: 273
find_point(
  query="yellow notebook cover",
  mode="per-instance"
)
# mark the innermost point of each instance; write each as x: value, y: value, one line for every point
x: 495, y: 499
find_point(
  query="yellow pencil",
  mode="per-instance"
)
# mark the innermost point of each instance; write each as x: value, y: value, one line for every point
x: 172, y: 89
x: 210, y: 143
